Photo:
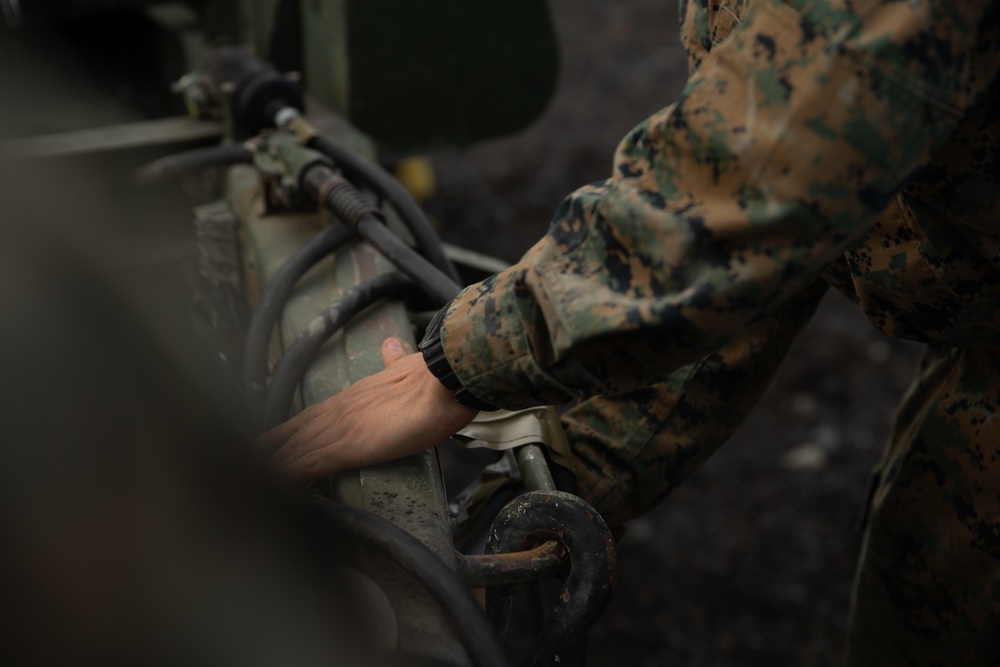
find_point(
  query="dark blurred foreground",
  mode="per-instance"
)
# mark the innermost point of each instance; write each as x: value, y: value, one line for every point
x: 137, y: 526
x: 137, y: 529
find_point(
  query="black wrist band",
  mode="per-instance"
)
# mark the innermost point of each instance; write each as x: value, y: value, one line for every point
x: 437, y: 364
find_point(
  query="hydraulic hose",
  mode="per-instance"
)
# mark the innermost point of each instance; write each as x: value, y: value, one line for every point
x: 439, y: 286
x: 474, y: 630
x: 344, y: 201
x: 272, y: 302
x: 192, y: 160
x: 339, y: 196
x: 300, y: 353
x: 383, y: 183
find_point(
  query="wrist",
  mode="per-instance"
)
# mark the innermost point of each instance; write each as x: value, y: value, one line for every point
x: 439, y: 366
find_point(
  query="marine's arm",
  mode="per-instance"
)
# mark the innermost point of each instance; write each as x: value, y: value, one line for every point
x: 789, y: 139
x: 634, y: 448
x: 786, y: 143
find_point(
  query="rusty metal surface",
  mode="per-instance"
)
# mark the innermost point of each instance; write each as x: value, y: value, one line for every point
x: 518, y: 567
x: 569, y: 520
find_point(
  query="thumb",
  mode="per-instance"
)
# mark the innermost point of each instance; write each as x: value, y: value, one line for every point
x: 392, y: 351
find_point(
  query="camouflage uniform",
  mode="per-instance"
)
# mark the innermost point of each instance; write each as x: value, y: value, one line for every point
x: 815, y: 143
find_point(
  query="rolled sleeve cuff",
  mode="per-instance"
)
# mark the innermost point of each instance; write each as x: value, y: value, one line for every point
x: 486, y: 336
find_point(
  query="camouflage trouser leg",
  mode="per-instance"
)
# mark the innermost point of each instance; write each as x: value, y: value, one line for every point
x: 927, y: 590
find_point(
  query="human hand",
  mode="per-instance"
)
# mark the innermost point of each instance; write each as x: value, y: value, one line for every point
x: 398, y: 411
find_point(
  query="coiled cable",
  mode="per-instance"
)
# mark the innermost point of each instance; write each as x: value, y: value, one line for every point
x: 336, y: 194
x: 272, y: 302
x: 300, y: 353
x: 474, y: 630
x: 428, y: 243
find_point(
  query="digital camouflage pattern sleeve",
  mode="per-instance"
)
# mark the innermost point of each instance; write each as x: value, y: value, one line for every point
x: 678, y: 282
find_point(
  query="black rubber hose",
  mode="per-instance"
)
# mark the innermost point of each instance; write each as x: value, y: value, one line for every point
x: 341, y: 198
x: 436, y: 284
x: 192, y: 160
x: 474, y: 630
x: 300, y: 353
x: 272, y: 302
x: 383, y: 183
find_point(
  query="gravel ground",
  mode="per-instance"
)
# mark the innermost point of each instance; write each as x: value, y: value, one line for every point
x: 750, y: 562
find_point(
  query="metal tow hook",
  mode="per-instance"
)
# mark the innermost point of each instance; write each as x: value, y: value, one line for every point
x: 539, y: 516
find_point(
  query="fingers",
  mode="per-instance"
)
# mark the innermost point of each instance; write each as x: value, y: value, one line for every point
x: 269, y: 441
x: 392, y: 351
x: 317, y: 424
x: 394, y: 412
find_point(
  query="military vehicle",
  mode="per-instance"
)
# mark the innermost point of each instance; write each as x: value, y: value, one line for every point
x: 283, y: 115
